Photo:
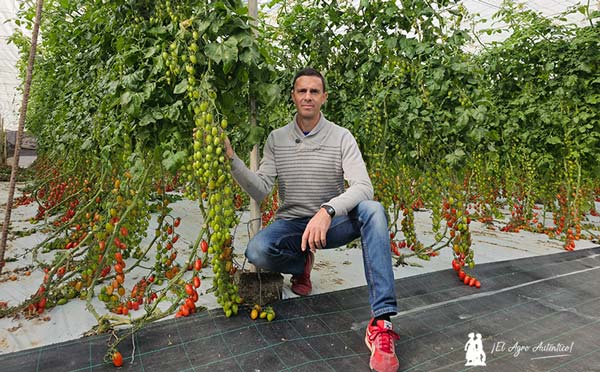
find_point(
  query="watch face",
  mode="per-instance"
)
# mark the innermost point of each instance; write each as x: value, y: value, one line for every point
x: 330, y: 210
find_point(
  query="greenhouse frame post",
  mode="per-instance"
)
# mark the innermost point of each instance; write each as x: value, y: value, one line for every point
x: 22, y: 114
x: 254, y: 159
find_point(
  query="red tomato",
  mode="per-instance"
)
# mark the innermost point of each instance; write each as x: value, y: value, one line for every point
x: 196, y: 282
x: 461, y: 275
x: 189, y: 303
x: 455, y: 265
x: 198, y: 264
x: 188, y: 289
x: 204, y: 246
x: 117, y: 359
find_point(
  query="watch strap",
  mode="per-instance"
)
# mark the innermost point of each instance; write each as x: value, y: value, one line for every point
x: 329, y: 209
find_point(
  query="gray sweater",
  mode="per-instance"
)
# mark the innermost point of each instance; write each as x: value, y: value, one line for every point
x: 310, y: 170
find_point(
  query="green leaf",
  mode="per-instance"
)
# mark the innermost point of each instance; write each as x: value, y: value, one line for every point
x: 592, y: 98
x: 172, y: 112
x: 256, y: 135
x: 87, y: 144
x: 478, y: 134
x: 173, y: 161
x: 249, y: 56
x: 150, y: 52
x: 268, y: 94
x: 455, y: 157
x: 181, y: 87
x: 147, y: 119
x: 135, y: 105
x: 125, y: 98
x: 553, y: 140
x: 225, y: 52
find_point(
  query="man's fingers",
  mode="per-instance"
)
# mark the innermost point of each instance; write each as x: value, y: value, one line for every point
x: 304, y: 240
x: 308, y: 240
x: 317, y: 240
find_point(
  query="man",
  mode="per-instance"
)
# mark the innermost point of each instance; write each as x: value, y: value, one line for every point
x: 310, y: 158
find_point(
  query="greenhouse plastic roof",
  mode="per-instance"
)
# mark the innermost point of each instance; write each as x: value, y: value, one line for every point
x: 10, y: 98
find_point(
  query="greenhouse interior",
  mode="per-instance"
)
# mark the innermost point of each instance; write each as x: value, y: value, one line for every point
x: 225, y: 185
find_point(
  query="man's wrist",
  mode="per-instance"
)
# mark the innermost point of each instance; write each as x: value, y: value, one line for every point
x: 329, y: 209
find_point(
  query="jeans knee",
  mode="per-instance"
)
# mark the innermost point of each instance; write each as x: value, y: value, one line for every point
x: 254, y: 251
x: 373, y: 210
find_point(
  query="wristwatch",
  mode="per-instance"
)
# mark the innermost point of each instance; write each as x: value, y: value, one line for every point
x: 329, y: 209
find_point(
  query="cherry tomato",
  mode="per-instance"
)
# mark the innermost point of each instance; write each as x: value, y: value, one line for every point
x: 472, y: 281
x: 117, y: 359
x: 455, y: 265
x: 184, y: 310
x: 198, y: 264
x: 189, y: 303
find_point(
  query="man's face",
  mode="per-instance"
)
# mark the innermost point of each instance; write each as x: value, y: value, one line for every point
x: 308, y: 96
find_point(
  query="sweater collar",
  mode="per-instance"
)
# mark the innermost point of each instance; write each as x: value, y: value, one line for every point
x: 320, y: 125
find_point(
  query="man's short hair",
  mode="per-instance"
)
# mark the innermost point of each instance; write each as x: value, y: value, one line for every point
x: 309, y: 71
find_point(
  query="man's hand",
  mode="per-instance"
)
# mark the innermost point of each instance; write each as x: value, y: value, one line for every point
x: 316, y: 231
x: 228, y: 149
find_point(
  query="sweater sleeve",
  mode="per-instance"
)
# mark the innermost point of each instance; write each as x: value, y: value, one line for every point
x: 260, y: 183
x: 355, y: 172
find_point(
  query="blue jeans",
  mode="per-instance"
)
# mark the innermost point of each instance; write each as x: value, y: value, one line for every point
x: 276, y: 248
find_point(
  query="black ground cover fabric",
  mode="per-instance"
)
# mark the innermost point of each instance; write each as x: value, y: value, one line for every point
x: 534, y: 314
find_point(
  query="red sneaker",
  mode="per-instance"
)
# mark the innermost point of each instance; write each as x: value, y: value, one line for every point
x: 380, y: 340
x: 301, y: 284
